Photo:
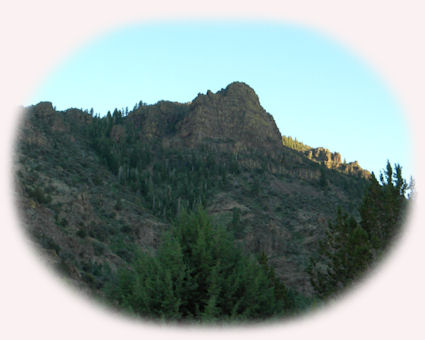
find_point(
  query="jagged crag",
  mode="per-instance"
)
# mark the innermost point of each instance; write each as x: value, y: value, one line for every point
x: 331, y: 160
x: 91, y: 190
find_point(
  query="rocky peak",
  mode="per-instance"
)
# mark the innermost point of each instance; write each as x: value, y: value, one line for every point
x: 234, y: 93
x: 240, y: 90
x: 43, y: 109
x: 231, y: 118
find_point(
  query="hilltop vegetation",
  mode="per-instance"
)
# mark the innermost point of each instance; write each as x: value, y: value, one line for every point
x: 331, y: 160
x: 127, y: 205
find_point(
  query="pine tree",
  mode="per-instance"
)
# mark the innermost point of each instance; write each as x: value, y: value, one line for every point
x: 198, y: 274
x: 349, y: 248
x: 383, y: 206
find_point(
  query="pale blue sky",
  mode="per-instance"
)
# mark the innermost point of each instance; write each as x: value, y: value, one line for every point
x: 316, y: 89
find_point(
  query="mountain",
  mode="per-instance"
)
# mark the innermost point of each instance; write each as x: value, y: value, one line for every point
x: 92, y: 190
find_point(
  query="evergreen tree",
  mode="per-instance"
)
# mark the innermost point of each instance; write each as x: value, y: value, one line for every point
x: 344, y: 255
x: 349, y: 247
x: 281, y: 293
x: 198, y: 274
x: 383, y: 206
x: 235, y: 225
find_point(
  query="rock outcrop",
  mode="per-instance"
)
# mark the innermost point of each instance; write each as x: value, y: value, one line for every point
x: 332, y: 160
x: 230, y: 120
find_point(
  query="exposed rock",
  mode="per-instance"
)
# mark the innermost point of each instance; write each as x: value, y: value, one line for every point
x: 230, y: 120
x: 43, y: 109
x: 324, y: 156
x: 332, y: 160
x: 233, y: 119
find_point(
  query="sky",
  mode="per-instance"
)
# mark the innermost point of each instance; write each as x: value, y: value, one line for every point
x: 317, y: 89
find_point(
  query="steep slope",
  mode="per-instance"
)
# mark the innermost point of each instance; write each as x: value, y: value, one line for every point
x: 93, y: 189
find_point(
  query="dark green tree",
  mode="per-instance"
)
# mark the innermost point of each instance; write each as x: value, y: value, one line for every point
x: 235, y: 225
x: 343, y: 256
x: 383, y: 206
x: 349, y: 248
x: 198, y: 274
x: 281, y: 293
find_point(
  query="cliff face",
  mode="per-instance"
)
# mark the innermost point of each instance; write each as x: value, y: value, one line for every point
x: 230, y: 120
x: 324, y: 156
x: 159, y: 121
x: 332, y: 160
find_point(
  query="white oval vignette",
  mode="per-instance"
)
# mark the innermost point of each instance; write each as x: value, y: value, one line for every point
x: 37, y: 35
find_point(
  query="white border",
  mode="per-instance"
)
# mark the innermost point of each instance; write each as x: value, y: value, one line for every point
x: 36, y: 35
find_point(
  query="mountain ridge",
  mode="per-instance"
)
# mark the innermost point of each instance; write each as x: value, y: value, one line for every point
x: 92, y: 188
x: 221, y: 119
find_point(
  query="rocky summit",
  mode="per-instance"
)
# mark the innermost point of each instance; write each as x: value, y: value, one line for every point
x: 231, y: 120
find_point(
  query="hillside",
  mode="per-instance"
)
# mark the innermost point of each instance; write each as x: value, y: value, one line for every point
x: 92, y: 190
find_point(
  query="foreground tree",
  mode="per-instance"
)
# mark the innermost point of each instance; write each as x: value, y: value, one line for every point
x: 383, y: 206
x: 349, y: 248
x: 198, y: 274
x: 344, y: 254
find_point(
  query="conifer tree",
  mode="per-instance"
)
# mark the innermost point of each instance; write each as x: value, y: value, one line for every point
x: 383, y: 205
x: 199, y: 274
x: 344, y: 255
x: 349, y: 248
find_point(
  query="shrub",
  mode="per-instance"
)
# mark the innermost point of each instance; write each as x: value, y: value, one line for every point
x: 81, y: 233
